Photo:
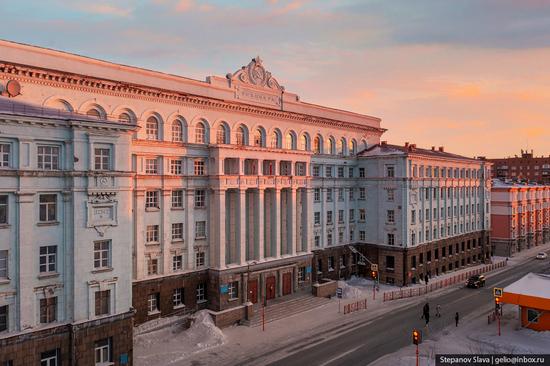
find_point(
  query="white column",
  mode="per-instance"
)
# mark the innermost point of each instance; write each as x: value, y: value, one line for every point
x: 26, y: 260
x: 293, y: 206
x: 277, y: 216
x: 166, y: 230
x: 139, y: 208
x: 190, y: 227
x: 218, y: 241
x: 308, y: 230
x: 241, y: 237
x: 260, y: 227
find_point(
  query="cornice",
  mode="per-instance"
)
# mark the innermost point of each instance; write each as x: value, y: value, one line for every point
x: 89, y: 84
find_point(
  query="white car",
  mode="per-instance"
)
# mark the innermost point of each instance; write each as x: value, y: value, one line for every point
x: 542, y: 255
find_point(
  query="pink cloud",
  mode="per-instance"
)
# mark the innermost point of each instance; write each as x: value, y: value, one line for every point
x: 105, y: 9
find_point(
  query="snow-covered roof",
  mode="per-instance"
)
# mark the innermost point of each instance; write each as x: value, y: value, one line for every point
x: 532, y: 284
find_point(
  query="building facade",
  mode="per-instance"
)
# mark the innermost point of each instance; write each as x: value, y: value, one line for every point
x: 521, y: 216
x: 525, y: 167
x: 173, y: 195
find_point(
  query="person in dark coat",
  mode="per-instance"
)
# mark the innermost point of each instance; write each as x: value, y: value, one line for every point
x: 456, y: 319
x: 426, y: 313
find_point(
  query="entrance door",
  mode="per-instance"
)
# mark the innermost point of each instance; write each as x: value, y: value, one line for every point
x: 253, y: 291
x: 287, y: 283
x: 270, y: 287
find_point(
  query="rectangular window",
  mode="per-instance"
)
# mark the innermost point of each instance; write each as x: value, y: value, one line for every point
x: 301, y: 274
x: 350, y: 172
x: 103, y: 352
x: 102, y: 159
x: 390, y: 171
x: 102, y: 254
x: 200, y: 229
x: 340, y: 172
x: 152, y: 266
x: 151, y: 166
x: 200, y: 259
x: 177, y: 263
x: 391, y: 239
x: 3, y: 209
x: 48, y: 259
x: 4, y: 318
x: 177, y: 198
x: 153, y: 303
x: 200, y: 198
x: 329, y: 194
x: 176, y: 167
x: 152, y: 234
x: 177, y: 297
x: 390, y: 215
x: 201, y: 292
x: 329, y: 237
x: 316, y: 171
x: 199, y: 166
x: 233, y: 290
x: 340, y: 216
x: 50, y: 358
x: 390, y: 262
x: 5, y: 154
x: 102, y: 302
x: 329, y: 217
x: 390, y: 194
x: 533, y: 316
x: 352, y: 194
x: 361, y: 172
x: 48, y: 207
x: 340, y: 194
x: 317, y: 218
x: 362, y: 193
x: 341, y: 235
x: 317, y: 195
x: 362, y: 214
x: 362, y: 235
x: 331, y: 263
x: 152, y: 199
x: 317, y: 240
x: 413, y: 217
x: 351, y: 215
x: 328, y: 172
x: 48, y: 157
x: 177, y: 231
x: 48, y: 310
x: 3, y: 264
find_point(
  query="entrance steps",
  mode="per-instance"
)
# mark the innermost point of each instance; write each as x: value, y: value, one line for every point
x: 282, y: 308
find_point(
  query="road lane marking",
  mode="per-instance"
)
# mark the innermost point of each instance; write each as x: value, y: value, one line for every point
x: 340, y: 356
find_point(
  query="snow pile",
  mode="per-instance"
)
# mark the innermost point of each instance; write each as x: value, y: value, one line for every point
x: 173, y: 343
x: 356, y: 288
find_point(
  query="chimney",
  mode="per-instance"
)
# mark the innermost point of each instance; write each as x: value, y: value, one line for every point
x: 406, y: 144
x: 413, y: 146
x: 384, y: 143
x: 433, y: 148
x: 441, y: 149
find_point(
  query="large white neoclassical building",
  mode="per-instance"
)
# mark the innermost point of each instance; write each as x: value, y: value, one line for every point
x: 154, y: 194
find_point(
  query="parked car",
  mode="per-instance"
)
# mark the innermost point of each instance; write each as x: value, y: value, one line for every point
x: 476, y: 281
x: 542, y: 255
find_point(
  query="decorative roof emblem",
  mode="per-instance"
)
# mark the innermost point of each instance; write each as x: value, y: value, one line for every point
x: 255, y: 74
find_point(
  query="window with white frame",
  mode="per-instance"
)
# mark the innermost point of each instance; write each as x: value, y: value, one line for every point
x: 200, y: 198
x: 317, y: 241
x: 176, y: 166
x: 362, y: 235
x: 48, y: 259
x: 328, y: 171
x: 48, y: 310
x: 102, y: 302
x: 329, y: 217
x: 4, y: 318
x: 391, y: 239
x: 390, y: 216
x: 201, y: 292
x: 102, y: 158
x: 340, y: 216
x: 233, y: 290
x: 200, y: 229
x: 329, y: 237
x: 362, y: 193
x: 350, y: 172
x: 341, y: 235
x: 340, y: 172
x: 200, y: 259
x: 200, y: 133
x: 177, y: 263
x: 48, y: 207
x: 340, y: 194
x: 5, y: 155
x: 177, y: 198
x: 352, y: 194
x: 317, y: 218
x: 351, y: 234
x: 177, y: 131
x: 152, y: 199
x: 178, y: 299
x: 329, y: 194
x: 3, y: 264
x: 301, y: 274
x: 152, y: 266
x: 361, y: 172
x: 362, y: 214
x: 103, y: 352
x: 102, y: 254
x: 152, y: 128
x: 330, y: 263
x: 316, y: 171
x: 199, y: 166
x: 151, y: 166
x: 390, y: 171
x: 50, y: 358
x: 153, y: 303
x: 390, y: 194
x: 3, y: 209
x: 351, y: 214
x: 48, y: 157
x: 177, y: 231
x: 317, y: 195
x: 152, y: 234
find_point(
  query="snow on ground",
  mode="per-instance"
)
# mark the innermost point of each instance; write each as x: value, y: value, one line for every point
x: 173, y: 343
x: 473, y: 336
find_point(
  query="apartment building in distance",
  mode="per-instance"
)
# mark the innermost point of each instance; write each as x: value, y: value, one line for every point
x: 520, y: 216
x: 132, y: 194
x: 526, y: 167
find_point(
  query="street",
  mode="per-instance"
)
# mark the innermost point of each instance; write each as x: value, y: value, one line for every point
x: 363, y: 342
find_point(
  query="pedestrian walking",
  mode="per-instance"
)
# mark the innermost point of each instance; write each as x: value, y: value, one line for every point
x: 456, y: 319
x: 426, y: 313
x: 438, y: 311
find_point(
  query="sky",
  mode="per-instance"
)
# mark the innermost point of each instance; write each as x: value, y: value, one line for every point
x: 470, y: 75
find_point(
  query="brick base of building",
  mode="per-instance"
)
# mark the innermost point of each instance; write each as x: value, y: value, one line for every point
x: 73, y: 343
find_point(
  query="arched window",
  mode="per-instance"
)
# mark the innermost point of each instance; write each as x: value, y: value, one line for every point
x: 364, y: 143
x: 304, y: 142
x: 152, y: 128
x: 177, y: 130
x: 258, y: 137
x: 60, y: 104
x: 352, y: 148
x: 290, y: 141
x: 274, y: 140
x: 241, y: 135
x: 317, y: 144
x: 93, y: 113
x: 331, y: 146
x: 341, y: 149
x: 221, y: 134
x: 200, y: 133
x: 125, y: 117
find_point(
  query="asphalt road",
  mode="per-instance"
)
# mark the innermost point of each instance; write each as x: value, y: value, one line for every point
x: 371, y: 340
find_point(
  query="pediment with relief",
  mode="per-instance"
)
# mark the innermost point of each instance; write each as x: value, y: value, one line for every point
x: 255, y: 74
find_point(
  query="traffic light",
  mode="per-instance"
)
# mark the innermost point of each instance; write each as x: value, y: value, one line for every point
x: 373, y: 274
x: 417, y: 338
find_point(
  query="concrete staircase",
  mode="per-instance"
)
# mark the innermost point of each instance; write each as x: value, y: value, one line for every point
x: 284, y: 309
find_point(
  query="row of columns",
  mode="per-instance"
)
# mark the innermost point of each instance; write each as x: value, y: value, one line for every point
x: 255, y: 224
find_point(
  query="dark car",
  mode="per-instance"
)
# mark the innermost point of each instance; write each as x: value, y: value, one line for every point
x: 476, y: 281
